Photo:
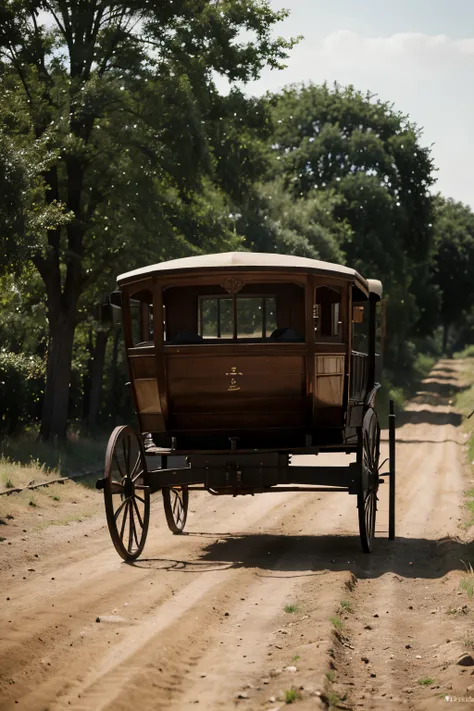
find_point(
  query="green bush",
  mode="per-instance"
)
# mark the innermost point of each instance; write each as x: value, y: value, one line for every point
x: 21, y: 390
x: 467, y: 352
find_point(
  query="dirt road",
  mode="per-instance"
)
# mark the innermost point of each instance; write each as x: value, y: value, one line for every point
x: 266, y: 598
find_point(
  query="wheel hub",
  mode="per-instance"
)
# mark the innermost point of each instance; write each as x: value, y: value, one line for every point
x: 128, y: 487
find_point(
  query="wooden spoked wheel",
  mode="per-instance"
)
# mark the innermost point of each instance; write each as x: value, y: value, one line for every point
x: 127, y: 497
x: 175, y: 500
x: 367, y: 499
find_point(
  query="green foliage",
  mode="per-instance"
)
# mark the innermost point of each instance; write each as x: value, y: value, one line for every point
x: 453, y: 263
x: 292, y: 695
x: 119, y: 148
x: 21, y: 388
x: 467, y: 352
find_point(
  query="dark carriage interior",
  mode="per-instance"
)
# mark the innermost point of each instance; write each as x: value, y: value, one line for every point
x: 257, y: 313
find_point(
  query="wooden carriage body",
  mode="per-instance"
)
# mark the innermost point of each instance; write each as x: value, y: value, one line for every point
x: 247, y: 351
x: 237, y: 362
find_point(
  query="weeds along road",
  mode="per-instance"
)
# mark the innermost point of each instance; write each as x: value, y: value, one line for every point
x: 267, y: 600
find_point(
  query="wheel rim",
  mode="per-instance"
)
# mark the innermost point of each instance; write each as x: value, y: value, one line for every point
x: 367, y: 500
x: 127, y: 498
x: 176, y: 507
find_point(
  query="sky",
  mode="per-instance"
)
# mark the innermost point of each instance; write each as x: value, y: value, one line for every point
x: 417, y: 54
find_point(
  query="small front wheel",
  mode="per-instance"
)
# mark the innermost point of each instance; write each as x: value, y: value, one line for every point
x: 175, y: 500
x: 126, y: 492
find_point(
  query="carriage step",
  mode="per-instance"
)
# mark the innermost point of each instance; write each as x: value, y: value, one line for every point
x: 100, y: 484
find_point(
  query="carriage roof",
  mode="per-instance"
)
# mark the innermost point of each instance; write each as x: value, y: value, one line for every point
x: 253, y: 261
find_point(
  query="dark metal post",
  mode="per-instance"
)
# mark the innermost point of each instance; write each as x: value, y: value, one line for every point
x: 391, y: 442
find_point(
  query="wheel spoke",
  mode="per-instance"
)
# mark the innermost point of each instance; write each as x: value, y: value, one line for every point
x: 117, y: 513
x: 139, y: 498
x: 140, y: 471
x: 135, y: 506
x: 124, y: 521
x: 130, y: 529
x: 134, y: 530
x: 129, y: 451
x: 116, y: 487
x: 121, y: 474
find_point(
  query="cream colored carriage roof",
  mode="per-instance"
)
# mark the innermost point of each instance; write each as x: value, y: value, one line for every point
x: 248, y: 260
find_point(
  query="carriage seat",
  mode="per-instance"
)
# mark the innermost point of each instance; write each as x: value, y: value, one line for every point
x: 285, y: 334
x: 183, y: 337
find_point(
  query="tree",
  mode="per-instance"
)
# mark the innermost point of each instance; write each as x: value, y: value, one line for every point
x: 119, y: 92
x: 453, y: 262
x: 371, y: 157
x: 276, y: 221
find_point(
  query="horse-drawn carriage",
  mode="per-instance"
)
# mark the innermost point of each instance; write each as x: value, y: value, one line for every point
x: 237, y: 362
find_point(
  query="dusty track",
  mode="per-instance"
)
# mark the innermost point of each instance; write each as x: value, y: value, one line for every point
x: 200, y: 619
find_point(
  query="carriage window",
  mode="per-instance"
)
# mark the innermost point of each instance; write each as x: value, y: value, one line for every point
x: 141, y: 312
x: 326, y: 313
x: 360, y: 328
x: 256, y: 317
x: 215, y: 317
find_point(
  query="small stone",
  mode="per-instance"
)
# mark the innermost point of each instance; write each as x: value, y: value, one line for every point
x: 470, y: 688
x: 226, y: 614
x: 373, y: 675
x: 376, y: 615
x: 407, y: 690
x: 410, y: 607
x: 242, y: 695
x: 365, y: 659
x: 278, y: 646
x: 291, y: 669
x: 266, y: 681
x: 408, y: 646
x: 418, y: 656
x: 272, y: 699
x: 97, y: 619
x: 433, y: 612
x: 368, y: 627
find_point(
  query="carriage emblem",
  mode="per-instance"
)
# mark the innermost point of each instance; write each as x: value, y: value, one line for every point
x: 233, y: 379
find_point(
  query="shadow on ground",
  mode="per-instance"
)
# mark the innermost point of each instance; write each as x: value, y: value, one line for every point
x: 296, y: 556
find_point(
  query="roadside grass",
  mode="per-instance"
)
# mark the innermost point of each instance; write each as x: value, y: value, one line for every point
x: 27, y: 452
x: 426, y: 681
x: 292, y: 695
x: 346, y: 606
x: 336, y: 621
x: 290, y: 609
x: 330, y: 675
x: 24, y: 461
x: 468, y: 352
x: 467, y: 583
x: 334, y: 699
x: 465, y: 403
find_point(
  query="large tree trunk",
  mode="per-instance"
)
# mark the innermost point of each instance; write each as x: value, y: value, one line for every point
x: 58, y: 376
x: 96, y: 375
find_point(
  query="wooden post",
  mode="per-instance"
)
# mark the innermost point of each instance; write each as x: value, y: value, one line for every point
x: 391, y: 506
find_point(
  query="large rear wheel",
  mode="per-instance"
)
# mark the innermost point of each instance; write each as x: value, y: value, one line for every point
x: 367, y: 499
x: 126, y: 492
